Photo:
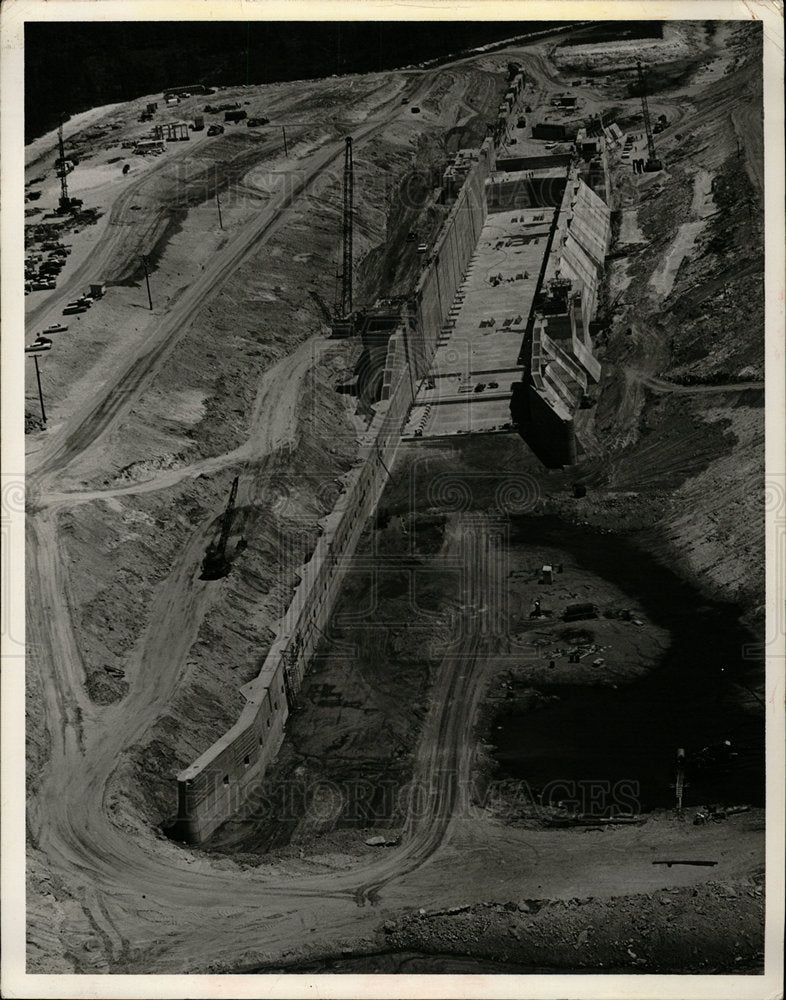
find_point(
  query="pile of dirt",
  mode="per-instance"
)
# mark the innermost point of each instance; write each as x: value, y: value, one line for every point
x: 709, y: 929
x: 678, y: 41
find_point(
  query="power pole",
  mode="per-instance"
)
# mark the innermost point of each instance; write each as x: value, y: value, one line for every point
x: 218, y: 206
x: 285, y: 140
x: 653, y: 163
x: 147, y: 281
x: 40, y: 394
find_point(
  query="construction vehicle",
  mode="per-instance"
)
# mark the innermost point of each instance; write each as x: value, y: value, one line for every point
x: 216, y: 130
x: 215, y: 565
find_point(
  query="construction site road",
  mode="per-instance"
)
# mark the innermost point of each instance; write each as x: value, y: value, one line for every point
x: 69, y: 818
x: 132, y: 375
x: 662, y: 385
x: 273, y: 426
x: 121, y: 877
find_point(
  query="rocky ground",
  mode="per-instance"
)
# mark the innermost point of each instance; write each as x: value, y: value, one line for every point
x: 712, y: 929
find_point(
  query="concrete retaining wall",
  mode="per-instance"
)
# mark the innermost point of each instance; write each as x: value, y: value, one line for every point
x: 223, y: 778
x: 448, y: 262
x: 561, y: 361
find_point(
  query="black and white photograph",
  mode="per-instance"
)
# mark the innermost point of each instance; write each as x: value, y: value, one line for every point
x: 393, y: 500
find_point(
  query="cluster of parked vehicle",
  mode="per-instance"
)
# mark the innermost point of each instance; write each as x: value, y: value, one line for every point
x: 41, y: 272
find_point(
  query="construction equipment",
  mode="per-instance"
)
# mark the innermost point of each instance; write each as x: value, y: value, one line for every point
x: 215, y: 564
x: 653, y: 163
x: 66, y: 204
x: 65, y: 201
x: 343, y: 320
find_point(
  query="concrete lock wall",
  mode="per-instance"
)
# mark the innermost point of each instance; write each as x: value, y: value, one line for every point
x: 223, y: 779
x: 447, y: 266
x: 578, y: 249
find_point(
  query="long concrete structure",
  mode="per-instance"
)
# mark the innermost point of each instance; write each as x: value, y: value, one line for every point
x: 560, y: 362
x: 215, y: 785
x: 547, y: 248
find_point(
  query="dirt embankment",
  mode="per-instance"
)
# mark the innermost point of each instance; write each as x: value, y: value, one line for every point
x: 412, y: 179
x: 674, y: 447
x: 713, y: 928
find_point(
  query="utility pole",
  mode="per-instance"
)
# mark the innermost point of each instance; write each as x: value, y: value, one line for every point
x: 40, y: 394
x: 285, y: 140
x: 147, y: 281
x: 218, y: 206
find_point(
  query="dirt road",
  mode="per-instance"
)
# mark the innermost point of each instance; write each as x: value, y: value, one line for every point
x: 138, y: 901
x: 112, y: 870
x: 662, y: 385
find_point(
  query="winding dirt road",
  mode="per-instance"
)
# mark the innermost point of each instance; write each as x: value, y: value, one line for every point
x: 147, y: 903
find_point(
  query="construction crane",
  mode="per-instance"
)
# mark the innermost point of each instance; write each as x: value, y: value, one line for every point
x: 343, y: 320
x: 67, y: 204
x: 653, y: 163
x: 65, y: 201
x: 215, y: 564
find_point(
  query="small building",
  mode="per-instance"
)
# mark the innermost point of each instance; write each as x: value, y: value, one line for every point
x: 546, y: 574
x: 151, y: 107
x: 98, y: 290
x: 549, y: 130
x: 588, y: 146
x: 234, y: 116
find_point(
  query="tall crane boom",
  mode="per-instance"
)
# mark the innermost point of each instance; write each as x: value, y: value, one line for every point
x: 226, y: 526
x: 343, y: 323
x: 653, y: 163
x: 215, y: 564
x: 346, y: 274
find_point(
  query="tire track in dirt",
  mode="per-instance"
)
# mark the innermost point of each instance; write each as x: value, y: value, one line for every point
x: 68, y: 814
x: 273, y: 426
